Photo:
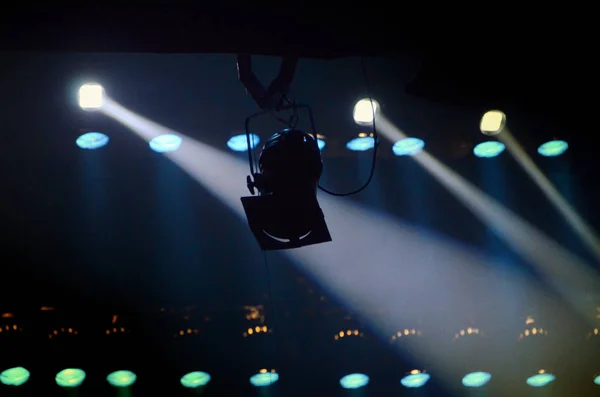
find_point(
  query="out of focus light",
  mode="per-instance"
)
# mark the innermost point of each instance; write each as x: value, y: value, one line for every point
x: 540, y: 380
x: 408, y: 146
x: 263, y: 379
x: 415, y: 379
x: 70, y: 377
x: 354, y: 381
x: 239, y: 143
x: 165, y: 143
x: 14, y: 376
x: 488, y: 149
x: 91, y: 96
x: 92, y: 140
x: 320, y: 143
x: 121, y: 378
x: 361, y: 144
x: 597, y: 380
x: 476, y: 379
x: 195, y: 379
x: 492, y: 122
x: 553, y: 148
x: 364, y: 110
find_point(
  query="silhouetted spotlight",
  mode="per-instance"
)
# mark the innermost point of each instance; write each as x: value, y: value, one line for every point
x: 91, y: 96
x: 16, y: 376
x: 239, y: 143
x: 165, y: 143
x: 408, y: 146
x: 264, y: 378
x: 121, y: 378
x: 70, y: 377
x: 553, y: 148
x: 196, y: 379
x: 488, y: 149
x: 415, y: 379
x: 354, y: 381
x: 92, y: 140
x: 540, y: 379
x: 492, y: 122
x: 286, y: 213
x: 365, y: 110
x: 476, y: 379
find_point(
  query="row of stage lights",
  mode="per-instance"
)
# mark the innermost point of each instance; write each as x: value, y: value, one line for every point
x: 74, y: 377
x: 91, y: 97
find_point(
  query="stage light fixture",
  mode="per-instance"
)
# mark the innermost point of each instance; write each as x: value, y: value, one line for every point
x: 264, y: 378
x: 91, y: 96
x: 488, y: 149
x: 365, y: 110
x: 492, y: 122
x: 195, y: 379
x: 408, y: 146
x: 541, y: 379
x: 361, y: 144
x: 121, y: 378
x: 354, y: 381
x: 476, y: 379
x: 16, y: 376
x: 553, y: 148
x: 165, y: 143
x: 70, y: 377
x: 285, y: 214
x: 415, y: 379
x: 92, y: 140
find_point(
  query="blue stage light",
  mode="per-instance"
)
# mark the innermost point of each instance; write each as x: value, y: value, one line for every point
x: 361, y: 144
x: 354, y: 381
x: 488, y: 149
x: 415, y: 380
x: 553, y: 148
x: 165, y: 143
x: 239, y: 143
x: 92, y: 140
x: 540, y: 380
x: 476, y: 379
x: 263, y: 379
x: 408, y: 146
x: 195, y: 379
x: 321, y: 143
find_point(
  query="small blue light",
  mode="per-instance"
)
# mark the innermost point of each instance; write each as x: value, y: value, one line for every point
x: 354, y: 381
x: 165, y: 143
x: 92, y: 140
x: 488, y: 149
x: 264, y: 379
x: 415, y: 380
x: 321, y: 143
x: 408, y: 146
x: 361, y: 144
x: 540, y: 380
x: 476, y: 379
x: 239, y: 143
x: 553, y: 148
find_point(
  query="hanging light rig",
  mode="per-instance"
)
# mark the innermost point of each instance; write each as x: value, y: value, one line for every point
x: 283, y: 211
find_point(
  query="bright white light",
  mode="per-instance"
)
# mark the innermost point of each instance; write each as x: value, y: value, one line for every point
x: 364, y: 110
x: 492, y: 122
x: 91, y: 96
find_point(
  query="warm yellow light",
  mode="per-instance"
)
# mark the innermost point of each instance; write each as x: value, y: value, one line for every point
x: 406, y: 332
x: 415, y: 371
x: 492, y: 122
x: 257, y: 329
x: 264, y: 328
x: 526, y: 332
x: 250, y: 331
x: 7, y: 315
x: 469, y: 330
x: 341, y: 334
x: 263, y: 371
x: 534, y: 331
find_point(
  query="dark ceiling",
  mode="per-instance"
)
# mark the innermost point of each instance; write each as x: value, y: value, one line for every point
x: 122, y: 230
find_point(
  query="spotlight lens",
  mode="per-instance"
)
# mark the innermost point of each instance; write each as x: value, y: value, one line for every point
x: 540, y: 380
x: 70, y: 377
x: 415, y: 380
x: 321, y: 143
x: 361, y: 144
x: 165, y: 143
x: 92, y: 140
x: 354, y: 381
x: 239, y: 143
x: 476, y: 379
x: 91, y: 96
x: 264, y: 379
x: 488, y: 149
x: 195, y: 379
x: 14, y: 376
x: 121, y: 378
x: 553, y: 148
x: 408, y: 146
x: 492, y: 122
x: 364, y: 110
